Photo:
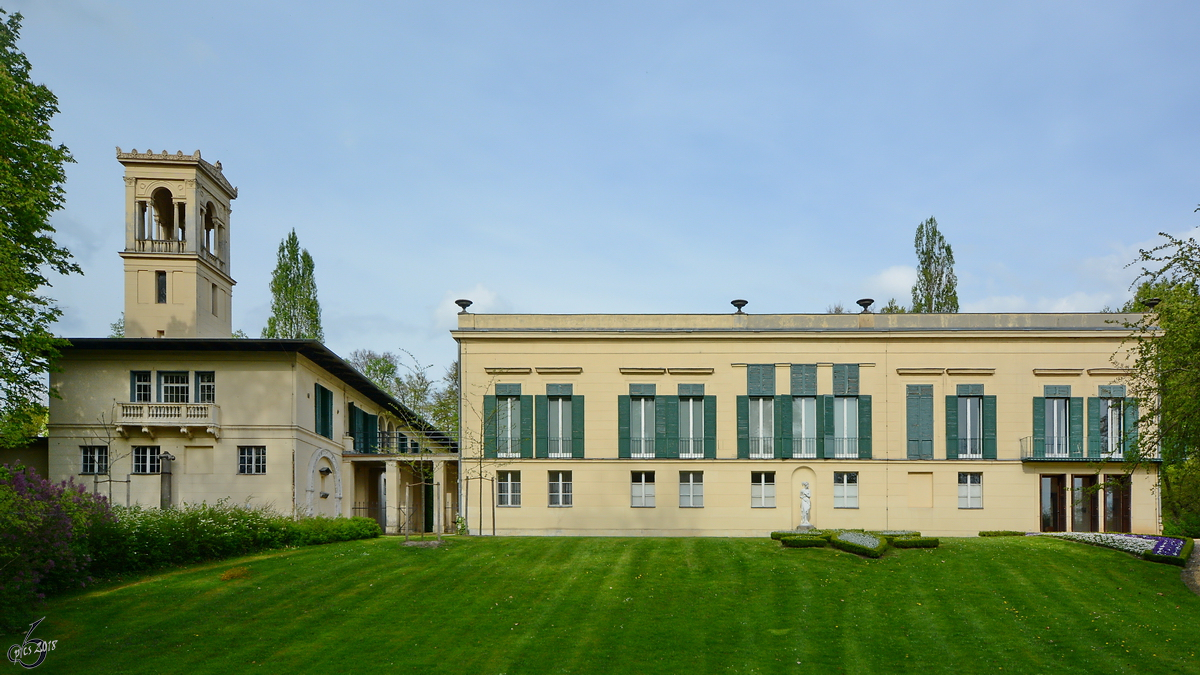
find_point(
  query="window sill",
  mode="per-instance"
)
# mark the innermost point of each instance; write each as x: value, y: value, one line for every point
x: 853, y: 508
x: 762, y: 507
x: 558, y: 506
x: 641, y: 507
x: 508, y: 506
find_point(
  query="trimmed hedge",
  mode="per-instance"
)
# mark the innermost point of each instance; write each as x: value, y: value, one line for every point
x: 1001, y: 533
x: 803, y: 542
x: 916, y: 542
x: 840, y: 541
x: 1180, y: 559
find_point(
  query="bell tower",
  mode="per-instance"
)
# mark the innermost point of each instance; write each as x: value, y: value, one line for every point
x: 177, y: 281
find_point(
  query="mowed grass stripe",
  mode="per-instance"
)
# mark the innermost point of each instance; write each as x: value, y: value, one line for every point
x: 582, y: 605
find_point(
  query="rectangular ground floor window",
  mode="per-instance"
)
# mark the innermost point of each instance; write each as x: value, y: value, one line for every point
x: 1085, y: 504
x: 146, y: 459
x: 560, y: 488
x: 252, y: 459
x: 641, y: 493
x: 970, y: 490
x: 691, y: 489
x: 845, y: 489
x: 94, y: 460
x: 762, y: 489
x: 508, y: 488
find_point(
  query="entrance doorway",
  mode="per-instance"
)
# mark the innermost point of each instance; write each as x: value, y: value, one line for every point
x: 1054, y: 503
x: 1085, y: 501
x: 1117, y: 493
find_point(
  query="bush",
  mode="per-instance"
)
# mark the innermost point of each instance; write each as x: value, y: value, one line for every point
x: 44, y: 544
x: 1187, y: 526
x: 1001, y: 533
x: 802, y: 541
x: 860, y: 543
x: 1180, y: 559
x: 321, y: 530
x: 916, y: 542
x: 892, y: 536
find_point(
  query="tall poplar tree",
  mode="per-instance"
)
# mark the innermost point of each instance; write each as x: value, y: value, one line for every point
x: 295, y: 311
x: 936, y: 289
x: 31, y: 188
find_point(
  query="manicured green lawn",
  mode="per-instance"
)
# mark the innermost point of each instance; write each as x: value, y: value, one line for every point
x: 568, y: 605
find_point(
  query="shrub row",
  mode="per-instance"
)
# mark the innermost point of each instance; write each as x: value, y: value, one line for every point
x: 1180, y: 559
x: 802, y: 541
x: 916, y: 542
x: 1001, y: 533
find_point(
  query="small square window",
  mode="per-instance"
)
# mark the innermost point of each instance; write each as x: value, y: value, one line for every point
x: 173, y: 387
x: 560, y: 488
x: 641, y: 491
x: 970, y: 490
x: 252, y: 459
x: 762, y: 489
x: 146, y: 459
x: 845, y: 489
x: 206, y: 387
x: 94, y: 460
x: 691, y: 489
x: 508, y: 488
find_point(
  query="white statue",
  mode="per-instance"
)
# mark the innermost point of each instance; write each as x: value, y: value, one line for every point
x: 805, y: 505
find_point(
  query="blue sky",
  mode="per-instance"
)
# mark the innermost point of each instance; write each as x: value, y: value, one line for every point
x: 633, y: 157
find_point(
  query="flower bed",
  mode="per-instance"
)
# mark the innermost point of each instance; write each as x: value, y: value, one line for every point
x: 860, y: 543
x: 1169, y: 550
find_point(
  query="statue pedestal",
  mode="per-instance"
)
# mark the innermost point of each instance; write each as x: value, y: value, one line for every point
x: 805, y: 528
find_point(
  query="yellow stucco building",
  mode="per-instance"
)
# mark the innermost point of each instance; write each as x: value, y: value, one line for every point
x: 180, y: 411
x: 714, y: 424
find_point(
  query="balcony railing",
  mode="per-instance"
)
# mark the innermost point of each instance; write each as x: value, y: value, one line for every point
x: 691, y: 448
x: 762, y: 447
x: 159, y: 245
x: 804, y: 448
x: 1055, y: 449
x: 970, y: 448
x: 184, y: 416
x: 559, y: 448
x: 845, y: 448
x: 394, y: 443
x: 641, y: 448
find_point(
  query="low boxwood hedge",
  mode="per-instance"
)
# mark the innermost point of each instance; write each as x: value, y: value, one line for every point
x: 1181, y: 559
x: 916, y: 542
x: 861, y: 543
x: 1001, y: 533
x: 802, y: 541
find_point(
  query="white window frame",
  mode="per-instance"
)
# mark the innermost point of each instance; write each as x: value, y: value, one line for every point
x: 970, y: 490
x: 93, y: 460
x: 804, y: 427
x: 970, y: 412
x: 845, y: 427
x: 143, y: 389
x: 641, y: 489
x: 845, y: 489
x: 559, y: 427
x: 206, y: 386
x: 641, y: 427
x: 1112, y: 416
x: 561, y: 492
x: 176, y: 390
x: 508, y: 427
x: 1058, y: 426
x: 252, y: 460
x: 147, y: 459
x: 762, y: 427
x: 508, y: 489
x: 691, y: 427
x: 691, y: 489
x: 762, y: 489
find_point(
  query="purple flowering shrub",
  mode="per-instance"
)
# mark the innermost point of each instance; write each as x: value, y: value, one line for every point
x: 44, y: 538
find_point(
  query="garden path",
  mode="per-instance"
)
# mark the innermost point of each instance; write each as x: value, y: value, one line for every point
x: 1191, y: 572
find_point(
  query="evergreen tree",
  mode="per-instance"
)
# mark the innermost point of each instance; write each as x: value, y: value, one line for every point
x: 295, y: 311
x: 31, y: 188
x: 936, y: 289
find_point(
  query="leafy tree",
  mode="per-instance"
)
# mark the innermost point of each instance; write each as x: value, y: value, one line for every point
x: 295, y: 311
x: 892, y: 307
x: 31, y: 188
x: 410, y: 384
x: 836, y: 308
x: 1165, y: 371
x: 116, y: 329
x: 936, y: 289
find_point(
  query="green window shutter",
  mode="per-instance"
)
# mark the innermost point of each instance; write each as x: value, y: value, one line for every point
x: 1131, y: 424
x: 951, y: 427
x: 352, y: 422
x: 526, y: 427
x: 691, y: 390
x: 919, y: 420
x: 743, y: 427
x: 508, y: 389
x: 864, y: 427
x: 371, y: 442
x: 559, y: 389
x: 489, y: 426
x: 1076, y: 441
x: 824, y: 425
x: 783, y: 427
x: 623, y: 427
x: 541, y: 422
x: 804, y: 379
x: 1039, y: 426
x: 852, y: 379
x: 1093, y: 427
x: 927, y: 422
x: 839, y: 379
x: 577, y: 427
x: 989, y: 427
x: 710, y: 427
x: 666, y: 408
x: 760, y: 379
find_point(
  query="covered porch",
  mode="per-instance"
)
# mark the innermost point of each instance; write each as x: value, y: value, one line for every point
x: 405, y: 495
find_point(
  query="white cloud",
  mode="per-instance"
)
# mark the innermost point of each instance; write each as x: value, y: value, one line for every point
x: 1075, y: 302
x: 894, y: 282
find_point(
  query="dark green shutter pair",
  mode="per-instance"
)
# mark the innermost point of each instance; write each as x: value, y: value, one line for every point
x: 1129, y: 413
x: 804, y: 379
x: 489, y: 425
x: 845, y: 379
x: 666, y: 427
x: 323, y: 402
x: 542, y: 404
x: 988, y: 423
x: 824, y: 431
x: 1074, y: 423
